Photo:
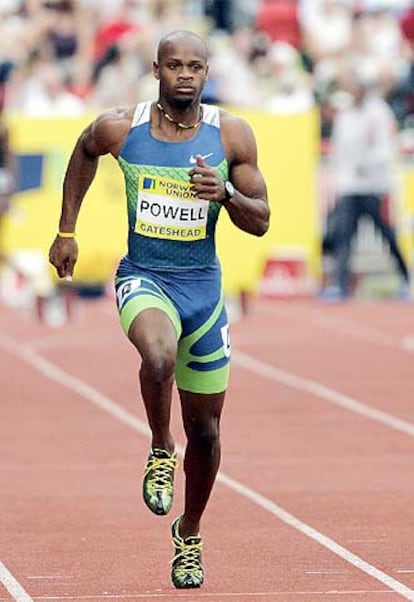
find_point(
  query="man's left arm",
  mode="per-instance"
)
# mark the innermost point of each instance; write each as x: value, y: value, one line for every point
x: 247, y: 204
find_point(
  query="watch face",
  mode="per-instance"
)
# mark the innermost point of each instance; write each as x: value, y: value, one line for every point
x: 229, y: 189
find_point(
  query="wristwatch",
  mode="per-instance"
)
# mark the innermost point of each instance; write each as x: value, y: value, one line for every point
x: 228, y: 190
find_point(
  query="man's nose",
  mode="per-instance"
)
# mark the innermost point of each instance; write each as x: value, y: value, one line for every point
x: 185, y: 73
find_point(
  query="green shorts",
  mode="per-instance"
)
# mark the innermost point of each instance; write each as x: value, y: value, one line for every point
x: 194, y: 302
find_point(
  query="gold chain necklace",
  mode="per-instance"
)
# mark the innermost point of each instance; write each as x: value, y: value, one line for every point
x: 183, y: 126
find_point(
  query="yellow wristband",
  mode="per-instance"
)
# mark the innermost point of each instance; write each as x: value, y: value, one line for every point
x: 67, y: 234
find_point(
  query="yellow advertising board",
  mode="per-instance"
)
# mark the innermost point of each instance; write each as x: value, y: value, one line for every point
x: 288, y: 153
x: 406, y: 211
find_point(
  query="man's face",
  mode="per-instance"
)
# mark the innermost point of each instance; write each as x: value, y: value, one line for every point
x: 182, y: 72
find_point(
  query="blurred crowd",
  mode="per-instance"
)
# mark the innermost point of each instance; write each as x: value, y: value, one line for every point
x: 63, y: 57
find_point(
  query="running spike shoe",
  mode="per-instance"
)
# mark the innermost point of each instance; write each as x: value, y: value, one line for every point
x: 187, y: 569
x: 158, y: 484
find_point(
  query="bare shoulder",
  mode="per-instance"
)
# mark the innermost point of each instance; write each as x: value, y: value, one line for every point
x: 238, y: 138
x: 106, y: 134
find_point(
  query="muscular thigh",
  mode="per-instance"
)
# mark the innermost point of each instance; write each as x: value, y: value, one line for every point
x: 148, y: 317
x: 204, y: 346
x: 195, y: 307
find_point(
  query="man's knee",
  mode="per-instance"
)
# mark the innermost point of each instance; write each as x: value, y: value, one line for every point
x: 158, y: 364
x: 157, y: 347
x: 205, y: 433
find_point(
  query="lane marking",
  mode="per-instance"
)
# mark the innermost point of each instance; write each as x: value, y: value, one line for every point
x: 215, y: 596
x: 60, y: 376
x: 368, y: 540
x: 14, y: 588
x: 317, y: 536
x: 354, y: 328
x: 407, y: 343
x: 357, y: 330
x: 50, y: 576
x: 86, y: 391
x: 366, y: 333
x: 404, y: 571
x: 325, y: 572
x: 309, y: 386
x: 290, y: 380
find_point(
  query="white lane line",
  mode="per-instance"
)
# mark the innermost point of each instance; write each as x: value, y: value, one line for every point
x: 84, y: 390
x: 61, y: 377
x: 366, y: 334
x: 353, y: 328
x: 215, y: 596
x: 407, y: 343
x: 52, y: 577
x: 309, y: 386
x: 317, y: 536
x: 325, y: 572
x: 367, y: 540
x: 357, y: 330
x: 13, y: 586
x: 404, y: 571
x: 70, y: 340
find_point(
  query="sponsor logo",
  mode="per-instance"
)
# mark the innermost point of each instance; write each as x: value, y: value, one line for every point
x: 125, y: 290
x: 149, y: 183
x: 193, y: 159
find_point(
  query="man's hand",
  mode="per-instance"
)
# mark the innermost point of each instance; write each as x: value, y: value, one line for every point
x: 63, y: 255
x: 206, y: 182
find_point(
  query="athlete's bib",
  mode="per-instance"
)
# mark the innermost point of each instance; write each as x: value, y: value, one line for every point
x: 169, y: 209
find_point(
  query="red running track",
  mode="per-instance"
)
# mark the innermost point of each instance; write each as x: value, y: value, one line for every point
x: 315, y: 501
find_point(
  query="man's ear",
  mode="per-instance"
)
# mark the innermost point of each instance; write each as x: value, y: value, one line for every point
x: 155, y: 70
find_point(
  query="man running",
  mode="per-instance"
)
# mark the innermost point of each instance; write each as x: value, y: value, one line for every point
x: 182, y: 161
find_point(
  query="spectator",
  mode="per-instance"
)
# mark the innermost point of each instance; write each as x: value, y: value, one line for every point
x: 363, y: 152
x: 231, y: 68
x: 280, y: 20
x: 292, y: 90
x: 45, y: 94
x: 221, y: 13
x: 116, y: 78
x: 110, y: 31
x: 407, y: 24
x: 62, y: 31
x: 402, y: 96
x: 327, y: 30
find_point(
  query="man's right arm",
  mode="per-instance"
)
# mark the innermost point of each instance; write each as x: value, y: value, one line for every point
x: 104, y: 135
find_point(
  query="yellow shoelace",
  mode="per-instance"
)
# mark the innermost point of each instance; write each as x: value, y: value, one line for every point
x: 162, y: 469
x: 189, y: 555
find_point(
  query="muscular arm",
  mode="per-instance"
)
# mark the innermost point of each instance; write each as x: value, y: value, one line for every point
x: 104, y: 135
x: 248, y: 208
x: 79, y: 176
